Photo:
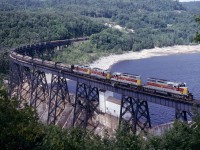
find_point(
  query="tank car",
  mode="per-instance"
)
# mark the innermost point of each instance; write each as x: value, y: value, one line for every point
x: 174, y: 89
x: 126, y: 79
x: 100, y: 73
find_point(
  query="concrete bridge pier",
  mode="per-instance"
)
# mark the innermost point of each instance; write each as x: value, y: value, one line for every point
x: 103, y: 97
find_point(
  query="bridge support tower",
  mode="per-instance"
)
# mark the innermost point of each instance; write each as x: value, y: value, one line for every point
x: 86, y: 103
x: 183, y: 115
x: 134, y: 113
x: 59, y: 97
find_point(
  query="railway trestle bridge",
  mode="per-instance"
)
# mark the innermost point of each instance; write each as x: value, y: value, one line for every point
x: 28, y: 82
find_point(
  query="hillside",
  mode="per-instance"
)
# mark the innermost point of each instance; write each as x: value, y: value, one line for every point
x: 193, y: 6
x: 24, y: 27
x: 153, y: 23
x: 166, y: 20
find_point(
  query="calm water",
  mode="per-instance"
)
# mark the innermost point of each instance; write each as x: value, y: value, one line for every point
x: 183, y: 68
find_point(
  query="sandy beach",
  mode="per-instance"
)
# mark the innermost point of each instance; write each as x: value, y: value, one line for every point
x: 107, y: 62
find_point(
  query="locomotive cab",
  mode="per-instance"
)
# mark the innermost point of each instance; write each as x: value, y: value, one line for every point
x: 182, y: 85
x: 182, y: 88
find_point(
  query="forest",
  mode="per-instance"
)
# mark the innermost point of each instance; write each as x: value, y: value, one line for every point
x: 146, y: 24
x: 166, y: 20
x: 160, y: 22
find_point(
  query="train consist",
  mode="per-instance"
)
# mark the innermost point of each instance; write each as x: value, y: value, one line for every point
x: 153, y: 85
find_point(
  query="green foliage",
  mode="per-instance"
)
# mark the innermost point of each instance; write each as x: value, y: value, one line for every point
x: 19, y: 127
x: 74, y: 138
x: 82, y: 53
x: 178, y: 137
x: 56, y: 138
x: 110, y: 39
x: 192, y: 6
x: 4, y: 67
x: 197, y: 38
x: 11, y: 5
x: 156, y: 23
x: 181, y: 136
x: 24, y: 27
x: 4, y: 63
x: 126, y: 139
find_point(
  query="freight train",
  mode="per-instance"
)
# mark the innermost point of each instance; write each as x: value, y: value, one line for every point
x: 153, y: 85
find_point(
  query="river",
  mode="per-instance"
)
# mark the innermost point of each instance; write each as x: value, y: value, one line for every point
x: 181, y: 67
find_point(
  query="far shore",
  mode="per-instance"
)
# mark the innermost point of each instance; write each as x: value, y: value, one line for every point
x: 108, y: 61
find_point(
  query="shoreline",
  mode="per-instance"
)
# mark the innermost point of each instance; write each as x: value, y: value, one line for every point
x: 107, y: 61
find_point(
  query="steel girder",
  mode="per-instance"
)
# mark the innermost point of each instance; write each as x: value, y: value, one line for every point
x: 48, y: 53
x: 38, y: 53
x: 59, y: 97
x: 19, y: 82
x: 39, y: 88
x: 41, y: 53
x: 135, y: 113
x: 14, y: 79
x: 25, y: 85
x: 183, y: 115
x: 86, y: 103
x: 30, y: 85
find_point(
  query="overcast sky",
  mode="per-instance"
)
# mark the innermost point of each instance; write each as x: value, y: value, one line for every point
x: 187, y: 0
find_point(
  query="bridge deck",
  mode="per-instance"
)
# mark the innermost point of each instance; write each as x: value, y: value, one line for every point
x: 177, y: 103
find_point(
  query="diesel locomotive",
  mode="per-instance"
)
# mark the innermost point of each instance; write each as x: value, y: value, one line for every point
x: 153, y: 85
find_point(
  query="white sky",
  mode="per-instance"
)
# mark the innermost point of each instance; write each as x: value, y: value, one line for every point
x: 187, y: 0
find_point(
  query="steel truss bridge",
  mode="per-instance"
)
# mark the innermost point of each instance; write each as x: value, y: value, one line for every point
x: 28, y: 82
